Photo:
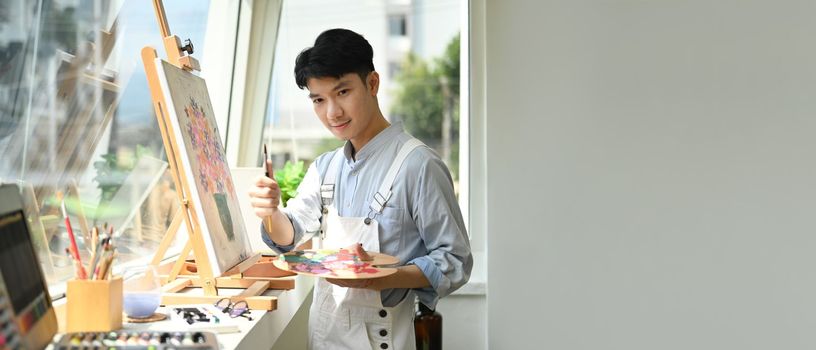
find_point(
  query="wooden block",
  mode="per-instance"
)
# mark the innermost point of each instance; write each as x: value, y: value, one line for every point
x: 246, y: 282
x: 256, y: 289
x: 189, y: 63
x: 266, y: 268
x: 260, y: 302
x: 94, y: 306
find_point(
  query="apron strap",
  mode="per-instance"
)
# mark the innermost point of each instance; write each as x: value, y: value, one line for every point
x: 384, y: 193
x: 327, y: 191
x: 327, y: 187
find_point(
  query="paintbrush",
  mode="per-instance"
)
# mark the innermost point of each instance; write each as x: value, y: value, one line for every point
x: 267, y: 163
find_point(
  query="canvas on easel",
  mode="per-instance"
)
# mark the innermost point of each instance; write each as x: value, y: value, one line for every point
x: 204, y: 163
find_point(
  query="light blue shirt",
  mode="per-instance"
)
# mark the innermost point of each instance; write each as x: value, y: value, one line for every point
x: 421, y: 224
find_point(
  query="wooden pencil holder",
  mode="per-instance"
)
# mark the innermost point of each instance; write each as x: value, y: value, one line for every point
x: 94, y: 305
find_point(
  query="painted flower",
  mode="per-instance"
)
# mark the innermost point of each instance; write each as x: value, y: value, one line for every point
x: 207, y: 150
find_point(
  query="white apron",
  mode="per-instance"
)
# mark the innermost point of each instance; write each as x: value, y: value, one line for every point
x: 352, y: 318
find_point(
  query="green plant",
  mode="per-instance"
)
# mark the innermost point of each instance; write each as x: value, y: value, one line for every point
x: 288, y: 178
x: 426, y: 99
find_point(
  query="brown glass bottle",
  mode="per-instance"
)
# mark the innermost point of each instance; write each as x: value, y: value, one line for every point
x: 428, y: 328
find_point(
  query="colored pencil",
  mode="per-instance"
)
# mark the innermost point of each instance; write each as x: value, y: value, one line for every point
x: 72, y: 240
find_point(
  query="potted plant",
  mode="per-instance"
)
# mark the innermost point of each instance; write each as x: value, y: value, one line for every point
x: 288, y: 178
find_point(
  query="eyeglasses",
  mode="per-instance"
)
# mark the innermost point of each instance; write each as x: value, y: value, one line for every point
x: 238, y: 309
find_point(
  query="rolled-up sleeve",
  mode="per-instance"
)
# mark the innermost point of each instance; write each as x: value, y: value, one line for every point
x: 449, y: 261
x: 303, y: 212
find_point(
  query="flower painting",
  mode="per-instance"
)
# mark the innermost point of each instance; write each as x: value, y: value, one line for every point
x: 213, y: 173
x: 202, y: 162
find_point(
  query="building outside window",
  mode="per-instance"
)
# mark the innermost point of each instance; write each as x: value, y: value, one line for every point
x: 398, y: 24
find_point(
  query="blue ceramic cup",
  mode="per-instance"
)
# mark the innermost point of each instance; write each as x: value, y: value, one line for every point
x: 141, y: 291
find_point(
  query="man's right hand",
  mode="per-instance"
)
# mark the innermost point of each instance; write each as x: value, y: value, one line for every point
x: 265, y: 196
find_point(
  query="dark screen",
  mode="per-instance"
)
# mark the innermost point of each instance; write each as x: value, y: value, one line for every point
x: 18, y: 262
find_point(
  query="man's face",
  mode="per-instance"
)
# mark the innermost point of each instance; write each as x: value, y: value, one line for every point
x: 346, y: 106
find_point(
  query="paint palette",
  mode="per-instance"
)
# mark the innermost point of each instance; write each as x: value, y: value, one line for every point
x: 336, y: 263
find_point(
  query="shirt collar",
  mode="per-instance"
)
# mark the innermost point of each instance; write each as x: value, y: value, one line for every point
x: 374, y: 145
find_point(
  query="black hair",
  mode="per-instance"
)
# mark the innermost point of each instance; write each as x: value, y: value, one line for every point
x: 336, y: 52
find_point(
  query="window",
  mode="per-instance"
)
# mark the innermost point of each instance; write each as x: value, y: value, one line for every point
x: 419, y: 81
x: 398, y: 25
x: 76, y: 120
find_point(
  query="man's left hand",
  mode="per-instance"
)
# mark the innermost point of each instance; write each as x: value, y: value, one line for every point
x: 370, y: 283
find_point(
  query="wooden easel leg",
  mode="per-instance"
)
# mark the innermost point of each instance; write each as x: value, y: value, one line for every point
x: 176, y: 285
x: 180, y: 262
x: 169, y: 235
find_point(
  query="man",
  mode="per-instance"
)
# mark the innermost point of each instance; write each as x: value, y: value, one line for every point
x: 347, y: 197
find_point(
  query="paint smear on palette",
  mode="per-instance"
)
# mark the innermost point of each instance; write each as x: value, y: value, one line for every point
x: 327, y: 262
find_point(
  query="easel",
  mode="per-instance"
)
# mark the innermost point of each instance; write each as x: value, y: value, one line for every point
x: 252, y: 275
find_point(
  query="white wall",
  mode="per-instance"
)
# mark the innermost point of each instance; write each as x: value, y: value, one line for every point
x: 463, y: 321
x: 654, y: 162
